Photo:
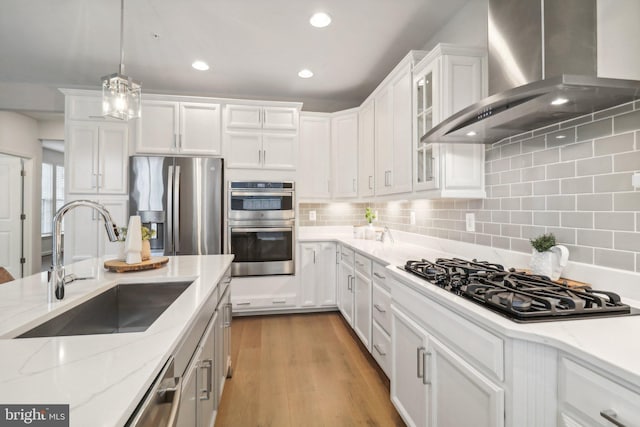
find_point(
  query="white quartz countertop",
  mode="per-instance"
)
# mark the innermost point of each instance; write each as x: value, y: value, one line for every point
x: 101, y: 377
x: 611, y: 344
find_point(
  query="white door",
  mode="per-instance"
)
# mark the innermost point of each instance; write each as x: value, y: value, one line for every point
x: 279, y: 151
x: 409, y: 393
x: 81, y: 239
x: 207, y: 375
x: 454, y: 385
x: 200, y: 131
x: 113, y: 159
x: 344, y: 135
x: 314, y: 157
x: 366, y: 150
x: 119, y: 212
x: 345, y: 283
x: 308, y: 257
x: 245, y: 150
x: 280, y: 118
x: 188, y: 410
x: 326, y: 274
x: 10, y: 210
x: 362, y: 309
x: 243, y: 117
x: 158, y: 127
x: 383, y: 141
x: 401, y: 174
x: 81, y: 157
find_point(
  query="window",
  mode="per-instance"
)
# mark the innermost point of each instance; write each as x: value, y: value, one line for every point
x: 52, y: 195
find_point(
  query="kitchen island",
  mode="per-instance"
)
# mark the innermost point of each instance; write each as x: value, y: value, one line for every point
x: 102, y: 377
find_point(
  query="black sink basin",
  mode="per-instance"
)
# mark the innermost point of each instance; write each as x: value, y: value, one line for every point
x: 124, y: 308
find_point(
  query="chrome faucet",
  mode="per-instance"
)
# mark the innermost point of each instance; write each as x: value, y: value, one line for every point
x: 387, y: 232
x: 57, y: 280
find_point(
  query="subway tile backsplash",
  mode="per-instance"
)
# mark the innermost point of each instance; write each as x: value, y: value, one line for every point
x: 573, y: 180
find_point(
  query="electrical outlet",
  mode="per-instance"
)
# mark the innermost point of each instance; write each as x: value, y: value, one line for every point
x: 412, y: 218
x: 312, y: 215
x: 635, y: 180
x: 471, y: 221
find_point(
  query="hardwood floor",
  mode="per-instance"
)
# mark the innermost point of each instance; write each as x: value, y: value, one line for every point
x: 302, y: 370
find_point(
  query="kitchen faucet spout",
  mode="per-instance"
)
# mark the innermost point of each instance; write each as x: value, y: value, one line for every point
x: 56, y: 282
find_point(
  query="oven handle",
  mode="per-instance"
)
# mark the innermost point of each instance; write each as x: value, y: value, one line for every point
x: 259, y: 229
x: 257, y: 193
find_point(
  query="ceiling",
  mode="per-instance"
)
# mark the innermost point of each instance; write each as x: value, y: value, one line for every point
x: 255, y: 47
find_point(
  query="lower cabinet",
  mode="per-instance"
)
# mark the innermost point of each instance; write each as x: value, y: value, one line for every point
x: 431, y: 385
x: 362, y: 300
x: 346, y: 278
x: 317, y: 274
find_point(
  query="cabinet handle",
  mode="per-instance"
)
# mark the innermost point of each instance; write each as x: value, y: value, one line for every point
x: 380, y: 352
x: 94, y: 180
x: 100, y: 181
x: 264, y: 157
x: 205, y: 392
x: 243, y: 303
x: 349, y: 282
x: 314, y: 256
x: 175, y: 141
x: 611, y: 416
x: 379, y: 276
x: 175, y: 389
x: 379, y: 308
x: 419, y: 369
x: 370, y: 182
x: 259, y: 157
x: 353, y: 185
x: 228, y: 315
x: 279, y: 301
x: 425, y: 354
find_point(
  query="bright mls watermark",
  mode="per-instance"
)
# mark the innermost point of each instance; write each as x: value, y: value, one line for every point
x: 34, y: 415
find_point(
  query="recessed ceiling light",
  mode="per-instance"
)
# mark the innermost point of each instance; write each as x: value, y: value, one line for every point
x: 320, y: 20
x: 305, y: 74
x: 559, y: 101
x: 471, y: 133
x: 200, y: 65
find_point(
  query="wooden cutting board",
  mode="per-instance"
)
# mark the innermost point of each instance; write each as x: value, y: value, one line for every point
x: 122, y: 267
x: 564, y: 281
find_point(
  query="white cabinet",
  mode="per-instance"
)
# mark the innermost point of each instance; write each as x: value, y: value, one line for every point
x: 362, y: 300
x: 366, y: 149
x: 393, y: 124
x: 317, y: 274
x: 344, y: 142
x: 381, y: 319
x: 314, y: 157
x: 84, y: 232
x: 346, y: 277
x: 170, y: 127
x: 430, y: 383
x: 447, y: 80
x: 585, y: 397
x: 261, y: 137
x: 96, y: 157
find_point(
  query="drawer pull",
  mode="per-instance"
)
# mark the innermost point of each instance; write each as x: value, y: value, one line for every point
x: 380, y: 352
x: 243, y: 303
x: 380, y: 309
x: 611, y: 416
x: 425, y: 381
x: 419, y: 369
x: 279, y: 301
x: 379, y: 276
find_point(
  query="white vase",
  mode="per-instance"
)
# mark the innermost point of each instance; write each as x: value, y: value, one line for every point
x: 549, y: 263
x: 370, y: 232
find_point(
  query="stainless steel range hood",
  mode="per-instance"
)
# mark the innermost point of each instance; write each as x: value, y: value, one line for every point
x: 541, y: 72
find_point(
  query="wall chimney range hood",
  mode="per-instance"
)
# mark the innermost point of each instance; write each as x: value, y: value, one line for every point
x: 541, y: 72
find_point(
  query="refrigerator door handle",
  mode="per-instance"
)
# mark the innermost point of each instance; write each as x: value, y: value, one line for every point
x: 169, y: 249
x: 176, y: 210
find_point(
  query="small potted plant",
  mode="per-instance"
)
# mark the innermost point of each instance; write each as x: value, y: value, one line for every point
x: 147, y: 235
x: 370, y: 233
x: 548, y: 258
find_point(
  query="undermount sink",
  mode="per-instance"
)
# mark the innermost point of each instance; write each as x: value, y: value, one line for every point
x: 123, y: 308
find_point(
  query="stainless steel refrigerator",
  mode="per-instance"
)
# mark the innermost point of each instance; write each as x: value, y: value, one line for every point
x: 181, y: 199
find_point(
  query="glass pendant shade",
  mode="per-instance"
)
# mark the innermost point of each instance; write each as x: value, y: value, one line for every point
x: 120, y: 97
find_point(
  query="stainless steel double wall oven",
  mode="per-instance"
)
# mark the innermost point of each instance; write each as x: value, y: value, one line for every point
x: 261, y: 227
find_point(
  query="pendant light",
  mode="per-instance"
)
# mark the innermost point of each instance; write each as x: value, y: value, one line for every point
x: 121, y: 94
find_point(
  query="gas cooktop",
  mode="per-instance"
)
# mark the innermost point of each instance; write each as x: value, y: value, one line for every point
x: 521, y: 297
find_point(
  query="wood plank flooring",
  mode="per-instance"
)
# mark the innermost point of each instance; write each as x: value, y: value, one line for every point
x: 302, y: 370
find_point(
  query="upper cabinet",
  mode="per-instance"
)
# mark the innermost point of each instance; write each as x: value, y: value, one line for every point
x: 314, y: 157
x: 169, y: 127
x: 344, y: 146
x: 447, y: 80
x: 366, y: 149
x: 392, y: 131
x: 261, y: 137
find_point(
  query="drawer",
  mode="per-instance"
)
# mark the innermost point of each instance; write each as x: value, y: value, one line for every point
x: 381, y: 349
x: 584, y: 395
x: 380, y: 274
x: 478, y: 346
x: 262, y: 303
x: 363, y: 265
x: 381, y: 307
x: 347, y: 255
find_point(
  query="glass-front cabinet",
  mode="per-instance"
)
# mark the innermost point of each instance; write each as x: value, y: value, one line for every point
x: 425, y: 168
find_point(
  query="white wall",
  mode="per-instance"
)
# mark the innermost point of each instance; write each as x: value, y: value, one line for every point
x: 467, y: 28
x: 51, y: 129
x: 619, y: 39
x: 19, y: 137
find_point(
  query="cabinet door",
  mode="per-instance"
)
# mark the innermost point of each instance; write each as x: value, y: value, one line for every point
x: 223, y: 341
x: 113, y: 159
x: 362, y: 308
x: 119, y: 212
x: 280, y: 118
x: 409, y: 393
x: 244, y: 149
x: 344, y: 135
x: 314, y: 157
x: 279, y: 151
x: 308, y: 256
x: 243, y: 117
x: 345, y: 284
x: 427, y: 167
x: 80, y: 235
x: 158, y: 128
x: 366, y: 149
x: 326, y: 274
x: 200, y: 129
x: 454, y: 385
x: 463, y: 166
x: 81, y: 158
x: 383, y: 141
x: 188, y: 411
x: 401, y: 176
x: 207, y: 377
